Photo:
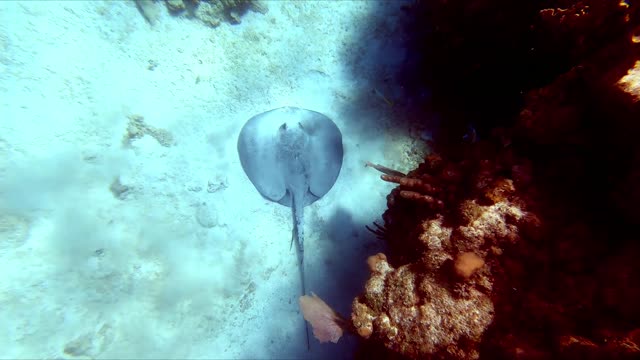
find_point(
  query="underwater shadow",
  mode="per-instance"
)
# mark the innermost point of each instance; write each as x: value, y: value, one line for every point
x: 381, y: 98
x: 339, y: 274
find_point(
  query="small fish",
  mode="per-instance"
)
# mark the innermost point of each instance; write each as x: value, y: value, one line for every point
x: 379, y: 94
x: 471, y: 135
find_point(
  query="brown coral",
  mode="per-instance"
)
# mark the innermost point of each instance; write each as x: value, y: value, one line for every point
x: 420, y: 190
x: 416, y: 316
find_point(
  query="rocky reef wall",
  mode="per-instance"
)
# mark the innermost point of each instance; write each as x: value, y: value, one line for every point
x: 521, y: 243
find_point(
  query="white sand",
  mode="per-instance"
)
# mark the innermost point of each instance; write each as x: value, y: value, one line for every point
x: 85, y: 274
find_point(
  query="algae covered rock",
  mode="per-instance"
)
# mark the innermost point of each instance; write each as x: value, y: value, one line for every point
x: 149, y: 9
x: 175, y: 5
x: 213, y: 13
x: 137, y: 128
x: 210, y: 12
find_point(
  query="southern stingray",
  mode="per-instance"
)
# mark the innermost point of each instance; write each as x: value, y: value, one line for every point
x: 293, y: 157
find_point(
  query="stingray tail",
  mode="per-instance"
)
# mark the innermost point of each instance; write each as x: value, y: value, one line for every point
x: 298, y: 238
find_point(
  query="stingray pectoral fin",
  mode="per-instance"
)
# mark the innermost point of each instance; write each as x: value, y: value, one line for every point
x: 274, y: 154
x: 271, y: 185
x: 268, y: 180
x: 260, y: 163
x: 325, y: 155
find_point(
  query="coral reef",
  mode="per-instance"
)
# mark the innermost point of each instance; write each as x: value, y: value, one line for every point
x: 502, y: 253
x: 439, y: 301
x: 415, y: 315
x: 175, y: 6
x: 210, y: 12
x: 522, y: 244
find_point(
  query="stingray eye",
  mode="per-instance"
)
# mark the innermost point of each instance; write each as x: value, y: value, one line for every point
x: 283, y: 126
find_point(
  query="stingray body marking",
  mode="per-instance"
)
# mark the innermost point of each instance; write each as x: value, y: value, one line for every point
x: 293, y: 157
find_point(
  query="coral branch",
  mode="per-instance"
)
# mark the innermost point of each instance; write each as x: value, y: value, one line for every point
x: 412, y: 195
x: 384, y: 169
x: 380, y: 231
x: 417, y: 184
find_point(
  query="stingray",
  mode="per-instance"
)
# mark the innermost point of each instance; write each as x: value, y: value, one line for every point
x: 293, y: 157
